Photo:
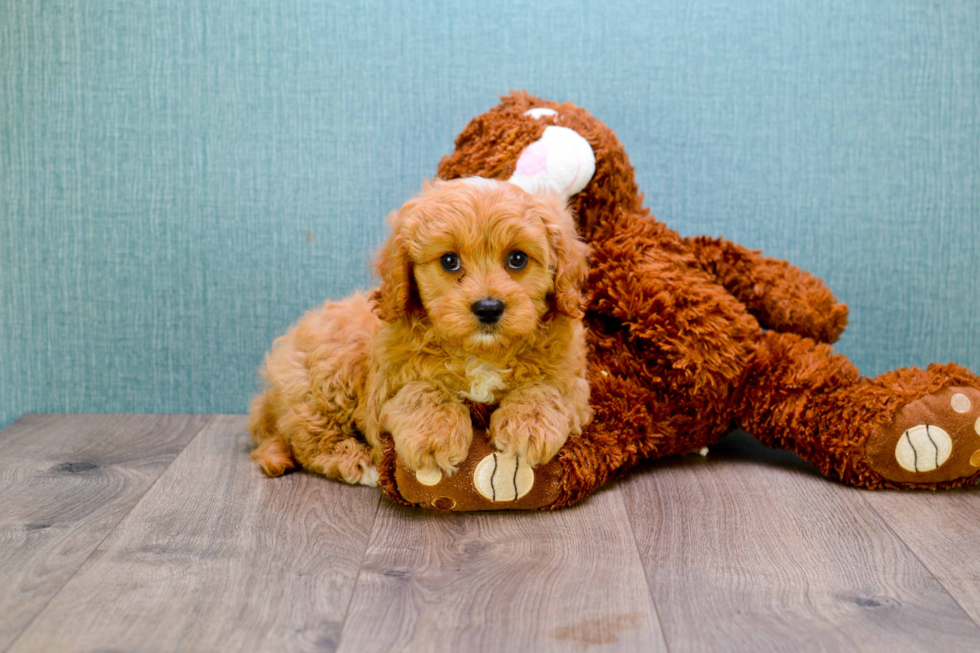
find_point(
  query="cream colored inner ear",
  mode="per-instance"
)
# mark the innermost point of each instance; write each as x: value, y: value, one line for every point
x: 560, y: 162
x: 537, y: 112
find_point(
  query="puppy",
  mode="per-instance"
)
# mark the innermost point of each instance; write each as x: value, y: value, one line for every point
x: 479, y: 300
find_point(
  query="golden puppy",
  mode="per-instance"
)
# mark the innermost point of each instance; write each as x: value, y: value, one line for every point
x: 479, y: 300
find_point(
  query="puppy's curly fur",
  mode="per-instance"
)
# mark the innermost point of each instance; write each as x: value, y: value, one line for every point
x: 403, y: 359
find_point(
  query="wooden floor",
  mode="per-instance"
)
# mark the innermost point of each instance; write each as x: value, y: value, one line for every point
x: 138, y: 532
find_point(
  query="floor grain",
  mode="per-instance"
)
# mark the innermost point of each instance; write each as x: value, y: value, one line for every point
x: 66, y: 481
x: 748, y: 550
x: 217, y: 557
x: 158, y: 533
x: 943, y: 531
x: 566, y: 580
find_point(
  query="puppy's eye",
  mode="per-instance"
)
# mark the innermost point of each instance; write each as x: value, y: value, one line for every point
x: 516, y: 260
x: 449, y: 262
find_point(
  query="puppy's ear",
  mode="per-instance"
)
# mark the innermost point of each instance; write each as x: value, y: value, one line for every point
x: 395, y: 296
x: 570, y: 254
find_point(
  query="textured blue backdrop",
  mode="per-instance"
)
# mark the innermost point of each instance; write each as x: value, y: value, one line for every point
x: 180, y: 179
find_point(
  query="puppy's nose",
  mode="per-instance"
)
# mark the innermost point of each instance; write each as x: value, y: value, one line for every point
x: 488, y: 311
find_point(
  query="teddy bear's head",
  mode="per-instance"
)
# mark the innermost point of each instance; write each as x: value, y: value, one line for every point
x: 539, y: 144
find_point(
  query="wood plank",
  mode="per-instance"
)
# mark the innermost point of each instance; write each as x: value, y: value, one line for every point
x: 752, y: 550
x: 503, y: 581
x: 943, y: 530
x: 218, y: 557
x: 65, y: 482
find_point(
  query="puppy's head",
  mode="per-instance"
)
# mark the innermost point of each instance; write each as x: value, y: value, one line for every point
x: 484, y: 260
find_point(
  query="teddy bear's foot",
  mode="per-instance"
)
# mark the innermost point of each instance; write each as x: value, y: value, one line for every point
x: 486, y: 480
x: 934, y: 439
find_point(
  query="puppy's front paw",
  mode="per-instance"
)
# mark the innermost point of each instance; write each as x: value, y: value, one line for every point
x: 529, y: 429
x: 432, y: 442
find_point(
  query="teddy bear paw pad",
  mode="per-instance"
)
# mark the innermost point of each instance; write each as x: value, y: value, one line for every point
x: 923, y: 448
x: 499, y: 477
x: 930, y: 440
x: 428, y: 477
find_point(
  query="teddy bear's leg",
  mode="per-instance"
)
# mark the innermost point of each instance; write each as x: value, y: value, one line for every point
x: 906, y: 428
x: 779, y: 295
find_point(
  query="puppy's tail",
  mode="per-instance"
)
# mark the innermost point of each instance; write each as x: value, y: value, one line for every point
x: 273, y: 453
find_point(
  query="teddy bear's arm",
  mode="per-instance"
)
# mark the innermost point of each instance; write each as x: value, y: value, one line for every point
x: 781, y: 296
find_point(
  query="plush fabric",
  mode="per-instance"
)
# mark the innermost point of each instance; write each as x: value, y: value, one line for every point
x: 689, y: 337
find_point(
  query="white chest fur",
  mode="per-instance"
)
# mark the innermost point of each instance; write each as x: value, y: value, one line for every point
x: 485, y: 379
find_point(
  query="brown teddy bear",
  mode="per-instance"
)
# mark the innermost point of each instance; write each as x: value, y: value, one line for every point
x: 690, y: 337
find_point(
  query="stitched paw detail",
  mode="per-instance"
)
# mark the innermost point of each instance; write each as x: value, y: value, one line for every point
x: 487, y: 480
x: 931, y: 440
x: 923, y: 448
x: 499, y: 477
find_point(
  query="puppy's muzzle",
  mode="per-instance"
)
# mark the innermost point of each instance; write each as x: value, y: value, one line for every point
x: 488, y: 311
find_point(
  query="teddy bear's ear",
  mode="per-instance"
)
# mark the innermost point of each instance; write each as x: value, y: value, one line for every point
x: 570, y: 256
x: 394, y: 297
x: 561, y: 161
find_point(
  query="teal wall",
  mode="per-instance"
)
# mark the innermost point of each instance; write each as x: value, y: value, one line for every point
x: 181, y: 179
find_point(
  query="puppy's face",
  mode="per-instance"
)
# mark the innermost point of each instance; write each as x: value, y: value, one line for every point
x: 484, y: 260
